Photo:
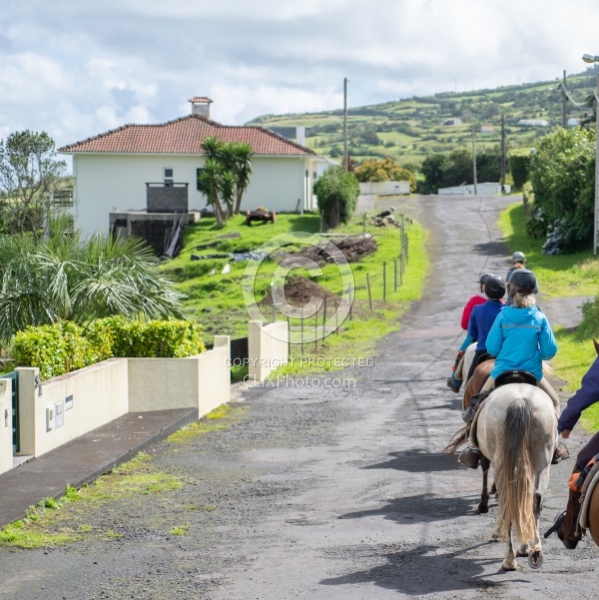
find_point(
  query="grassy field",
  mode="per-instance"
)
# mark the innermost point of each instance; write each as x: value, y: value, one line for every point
x: 561, y: 276
x: 216, y: 299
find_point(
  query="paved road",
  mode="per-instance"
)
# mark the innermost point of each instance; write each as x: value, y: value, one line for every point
x: 325, y: 492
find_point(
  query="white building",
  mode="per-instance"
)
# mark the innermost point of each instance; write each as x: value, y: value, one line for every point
x: 112, y: 169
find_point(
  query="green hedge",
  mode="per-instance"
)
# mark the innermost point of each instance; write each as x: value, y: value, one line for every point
x: 63, y: 347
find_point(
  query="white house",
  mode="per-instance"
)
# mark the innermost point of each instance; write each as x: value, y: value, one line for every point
x: 112, y: 169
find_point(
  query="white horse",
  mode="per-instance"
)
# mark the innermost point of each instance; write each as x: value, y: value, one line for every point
x: 517, y: 433
x: 468, y: 358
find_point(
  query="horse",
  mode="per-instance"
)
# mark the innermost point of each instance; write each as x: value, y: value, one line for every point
x: 517, y: 434
x: 570, y: 530
x: 589, y: 514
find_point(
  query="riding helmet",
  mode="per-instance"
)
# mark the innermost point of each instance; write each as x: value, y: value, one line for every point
x: 495, y: 287
x: 483, y: 277
x: 524, y: 281
x: 518, y: 257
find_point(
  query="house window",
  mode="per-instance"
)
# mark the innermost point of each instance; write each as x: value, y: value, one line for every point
x: 198, y: 171
x: 168, y: 177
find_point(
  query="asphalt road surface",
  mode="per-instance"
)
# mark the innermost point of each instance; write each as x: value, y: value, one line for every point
x: 319, y: 491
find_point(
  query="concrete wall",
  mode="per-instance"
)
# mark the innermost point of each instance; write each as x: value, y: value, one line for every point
x: 385, y: 188
x: 6, y: 460
x: 171, y: 198
x: 268, y: 348
x: 61, y: 409
x: 78, y: 402
x: 482, y: 189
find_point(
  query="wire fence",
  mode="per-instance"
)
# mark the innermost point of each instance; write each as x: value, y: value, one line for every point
x: 306, y: 331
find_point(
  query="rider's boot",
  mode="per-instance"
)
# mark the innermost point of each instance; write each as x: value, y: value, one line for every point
x: 454, y: 384
x: 470, y: 456
x: 559, y: 454
x: 469, y: 412
x: 569, y: 532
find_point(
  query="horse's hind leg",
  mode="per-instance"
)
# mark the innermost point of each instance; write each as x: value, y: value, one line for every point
x: 483, y: 506
x: 509, y: 560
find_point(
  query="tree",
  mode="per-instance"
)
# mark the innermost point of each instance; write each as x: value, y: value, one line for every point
x: 384, y: 170
x: 210, y: 183
x: 433, y: 169
x: 562, y: 174
x: 337, y: 192
x: 65, y: 278
x: 225, y: 176
x: 28, y: 173
x: 242, y: 169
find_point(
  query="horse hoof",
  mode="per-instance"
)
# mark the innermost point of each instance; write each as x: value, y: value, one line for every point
x: 483, y: 508
x: 511, y: 566
x: 535, y: 559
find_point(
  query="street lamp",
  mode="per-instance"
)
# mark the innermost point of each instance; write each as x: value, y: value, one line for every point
x: 591, y: 58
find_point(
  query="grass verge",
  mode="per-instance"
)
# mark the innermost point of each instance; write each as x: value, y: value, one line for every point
x: 561, y: 276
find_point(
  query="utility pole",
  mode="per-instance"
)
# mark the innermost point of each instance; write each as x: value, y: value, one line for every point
x: 345, y: 156
x: 474, y: 163
x: 564, y: 103
x: 503, y: 155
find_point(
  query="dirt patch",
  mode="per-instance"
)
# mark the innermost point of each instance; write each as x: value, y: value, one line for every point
x: 352, y: 247
x: 299, y: 290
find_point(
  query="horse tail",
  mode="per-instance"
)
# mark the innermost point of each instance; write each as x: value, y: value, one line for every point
x: 514, y: 474
x: 456, y: 441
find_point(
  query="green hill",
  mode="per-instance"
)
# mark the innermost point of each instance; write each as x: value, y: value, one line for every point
x: 409, y: 130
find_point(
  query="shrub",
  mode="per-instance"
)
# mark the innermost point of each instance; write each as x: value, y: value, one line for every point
x: 63, y: 347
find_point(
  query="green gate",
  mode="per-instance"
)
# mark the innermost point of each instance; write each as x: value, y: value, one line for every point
x: 14, y: 377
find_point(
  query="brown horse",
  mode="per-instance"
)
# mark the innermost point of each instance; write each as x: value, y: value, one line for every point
x: 589, y: 514
x: 571, y: 529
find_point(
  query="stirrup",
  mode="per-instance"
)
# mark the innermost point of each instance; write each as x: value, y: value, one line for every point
x: 559, y: 521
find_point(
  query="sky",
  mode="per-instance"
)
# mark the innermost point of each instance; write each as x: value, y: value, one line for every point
x: 78, y: 68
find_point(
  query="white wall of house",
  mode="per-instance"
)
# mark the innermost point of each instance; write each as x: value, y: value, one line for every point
x: 104, y: 182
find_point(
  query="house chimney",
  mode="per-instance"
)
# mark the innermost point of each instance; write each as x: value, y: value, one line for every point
x: 300, y: 135
x: 200, y: 106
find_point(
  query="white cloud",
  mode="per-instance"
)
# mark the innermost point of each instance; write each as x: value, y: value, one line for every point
x: 75, y: 69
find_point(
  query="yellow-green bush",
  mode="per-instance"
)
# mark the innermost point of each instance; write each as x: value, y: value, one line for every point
x: 65, y: 346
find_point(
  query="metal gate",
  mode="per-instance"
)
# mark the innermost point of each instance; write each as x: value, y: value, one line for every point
x: 14, y: 377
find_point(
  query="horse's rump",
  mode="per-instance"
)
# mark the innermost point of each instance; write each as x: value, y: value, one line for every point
x: 517, y: 432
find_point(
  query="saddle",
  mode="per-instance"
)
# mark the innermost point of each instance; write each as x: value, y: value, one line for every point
x: 515, y: 377
x: 590, y: 482
x: 502, y: 379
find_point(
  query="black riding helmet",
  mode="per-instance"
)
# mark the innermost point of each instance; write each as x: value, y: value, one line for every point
x: 494, y: 287
x: 483, y: 278
x: 523, y: 281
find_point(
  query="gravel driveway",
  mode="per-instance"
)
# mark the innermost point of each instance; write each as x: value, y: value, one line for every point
x: 331, y: 492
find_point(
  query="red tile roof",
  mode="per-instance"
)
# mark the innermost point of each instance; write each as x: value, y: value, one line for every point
x: 184, y: 136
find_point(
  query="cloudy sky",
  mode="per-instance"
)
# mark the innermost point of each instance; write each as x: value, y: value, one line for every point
x: 76, y: 68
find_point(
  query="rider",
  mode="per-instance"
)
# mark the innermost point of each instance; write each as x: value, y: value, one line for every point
x: 587, y: 394
x: 518, y: 260
x: 520, y: 339
x: 454, y: 382
x: 483, y: 317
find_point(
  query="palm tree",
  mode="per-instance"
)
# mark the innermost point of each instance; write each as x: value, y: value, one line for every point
x: 242, y: 169
x: 234, y: 158
x: 210, y: 183
x: 63, y: 278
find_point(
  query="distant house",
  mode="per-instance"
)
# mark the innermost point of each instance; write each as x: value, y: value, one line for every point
x: 118, y: 171
x: 574, y: 122
x: 452, y: 121
x: 487, y: 129
x: 533, y: 122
